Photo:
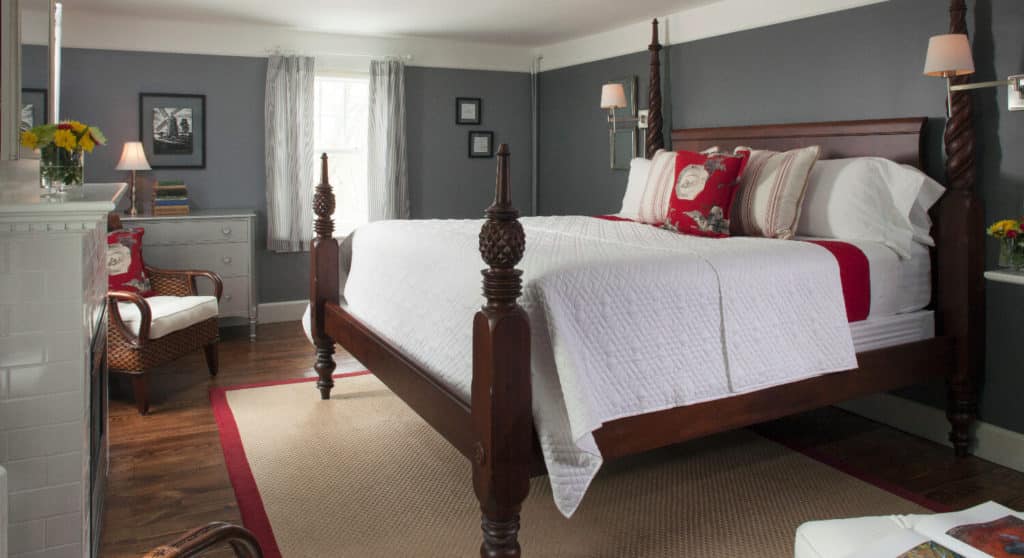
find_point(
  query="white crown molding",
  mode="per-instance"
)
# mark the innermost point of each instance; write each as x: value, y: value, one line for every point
x: 333, y: 51
x: 720, y: 18
x: 340, y: 52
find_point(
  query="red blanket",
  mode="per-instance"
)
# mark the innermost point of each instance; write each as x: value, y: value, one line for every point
x: 854, y: 272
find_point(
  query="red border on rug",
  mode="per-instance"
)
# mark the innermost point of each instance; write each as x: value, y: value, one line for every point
x: 247, y: 492
x: 254, y: 515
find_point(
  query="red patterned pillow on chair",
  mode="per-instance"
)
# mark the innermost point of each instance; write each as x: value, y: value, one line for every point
x: 124, y: 262
x: 703, y: 191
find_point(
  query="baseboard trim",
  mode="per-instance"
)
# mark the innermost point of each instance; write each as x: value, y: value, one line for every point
x: 284, y: 311
x: 990, y: 442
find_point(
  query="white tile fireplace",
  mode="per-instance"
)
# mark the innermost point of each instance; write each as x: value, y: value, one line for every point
x: 52, y: 390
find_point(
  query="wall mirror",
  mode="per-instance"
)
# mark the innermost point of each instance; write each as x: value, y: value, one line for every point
x: 622, y: 137
x: 30, y: 36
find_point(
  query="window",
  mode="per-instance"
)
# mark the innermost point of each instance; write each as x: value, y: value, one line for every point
x: 341, y: 107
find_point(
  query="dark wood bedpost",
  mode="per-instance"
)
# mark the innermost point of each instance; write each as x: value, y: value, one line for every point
x: 501, y: 398
x: 655, y: 134
x: 960, y: 258
x: 323, y: 279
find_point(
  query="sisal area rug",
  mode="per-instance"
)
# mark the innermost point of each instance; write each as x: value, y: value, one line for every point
x: 362, y: 476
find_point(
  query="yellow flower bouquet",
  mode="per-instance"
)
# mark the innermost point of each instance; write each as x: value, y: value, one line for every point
x: 61, y: 147
x: 1007, y: 232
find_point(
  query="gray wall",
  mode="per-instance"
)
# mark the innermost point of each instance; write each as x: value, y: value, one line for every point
x: 861, y: 63
x: 102, y: 87
x: 444, y: 181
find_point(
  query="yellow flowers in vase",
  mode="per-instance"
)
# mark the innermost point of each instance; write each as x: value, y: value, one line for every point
x: 1011, y: 250
x: 61, y: 147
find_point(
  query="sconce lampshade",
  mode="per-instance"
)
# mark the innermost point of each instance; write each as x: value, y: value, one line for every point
x: 133, y: 157
x: 613, y: 96
x: 949, y: 55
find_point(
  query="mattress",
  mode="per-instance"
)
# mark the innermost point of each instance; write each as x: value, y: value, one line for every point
x: 898, y: 285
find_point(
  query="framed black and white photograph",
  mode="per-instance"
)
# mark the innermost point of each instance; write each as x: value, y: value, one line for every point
x: 172, y: 128
x: 481, y: 144
x: 33, y: 108
x: 468, y: 110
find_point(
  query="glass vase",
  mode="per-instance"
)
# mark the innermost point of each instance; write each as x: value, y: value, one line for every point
x: 60, y: 170
x: 1007, y: 252
x: 1017, y: 260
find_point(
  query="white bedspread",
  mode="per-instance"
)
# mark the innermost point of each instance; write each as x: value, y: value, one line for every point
x: 626, y: 319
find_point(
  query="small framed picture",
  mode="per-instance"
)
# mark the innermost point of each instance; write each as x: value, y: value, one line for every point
x: 172, y: 128
x: 467, y: 110
x: 481, y: 144
x: 33, y: 108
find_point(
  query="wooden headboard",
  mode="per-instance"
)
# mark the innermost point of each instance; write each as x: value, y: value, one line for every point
x: 898, y: 139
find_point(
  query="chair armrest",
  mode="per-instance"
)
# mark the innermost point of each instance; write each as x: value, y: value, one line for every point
x: 197, y: 541
x: 145, y: 316
x: 182, y: 282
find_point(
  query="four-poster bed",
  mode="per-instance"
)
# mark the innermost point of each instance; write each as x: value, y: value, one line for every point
x: 495, y: 427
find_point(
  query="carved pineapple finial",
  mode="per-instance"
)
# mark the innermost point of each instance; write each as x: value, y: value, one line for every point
x: 323, y: 203
x: 502, y: 240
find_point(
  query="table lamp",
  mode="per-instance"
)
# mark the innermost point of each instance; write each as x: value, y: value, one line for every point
x: 133, y: 158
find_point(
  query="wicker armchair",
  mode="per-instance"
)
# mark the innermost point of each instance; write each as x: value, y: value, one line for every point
x: 132, y: 350
x: 198, y: 541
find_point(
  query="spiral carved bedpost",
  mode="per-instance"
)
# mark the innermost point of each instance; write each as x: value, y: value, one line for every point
x: 960, y: 258
x: 323, y: 280
x: 501, y: 397
x: 655, y: 135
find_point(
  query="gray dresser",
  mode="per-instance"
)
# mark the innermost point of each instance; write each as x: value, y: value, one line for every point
x: 218, y: 240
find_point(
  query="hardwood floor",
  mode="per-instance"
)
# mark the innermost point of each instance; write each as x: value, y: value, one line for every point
x: 167, y: 470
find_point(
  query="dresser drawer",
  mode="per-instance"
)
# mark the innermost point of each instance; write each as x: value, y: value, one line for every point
x: 226, y: 260
x: 193, y: 231
x: 234, y: 302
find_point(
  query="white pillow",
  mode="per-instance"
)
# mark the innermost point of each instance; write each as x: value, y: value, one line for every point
x: 869, y: 198
x: 931, y: 191
x: 639, y: 168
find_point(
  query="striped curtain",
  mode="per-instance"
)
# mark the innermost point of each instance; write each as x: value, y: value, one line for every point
x: 386, y: 165
x: 289, y: 152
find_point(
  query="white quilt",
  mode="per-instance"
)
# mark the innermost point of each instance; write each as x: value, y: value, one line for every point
x: 626, y: 319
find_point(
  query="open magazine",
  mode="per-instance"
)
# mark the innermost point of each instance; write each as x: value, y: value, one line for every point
x: 986, y: 531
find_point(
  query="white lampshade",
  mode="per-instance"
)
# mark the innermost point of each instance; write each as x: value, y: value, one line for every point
x: 133, y: 157
x: 613, y: 96
x: 949, y: 55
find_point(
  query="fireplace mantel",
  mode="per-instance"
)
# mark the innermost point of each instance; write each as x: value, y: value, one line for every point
x: 53, y: 283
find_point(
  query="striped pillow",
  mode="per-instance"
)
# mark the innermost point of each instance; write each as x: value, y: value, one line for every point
x: 771, y: 192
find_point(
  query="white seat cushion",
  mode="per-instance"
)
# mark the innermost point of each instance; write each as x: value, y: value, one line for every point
x: 839, y: 538
x: 169, y: 313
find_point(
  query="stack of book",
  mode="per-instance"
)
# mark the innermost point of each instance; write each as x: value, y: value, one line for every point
x: 170, y: 197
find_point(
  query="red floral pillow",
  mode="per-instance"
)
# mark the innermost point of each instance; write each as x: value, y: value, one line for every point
x: 124, y: 262
x: 705, y: 185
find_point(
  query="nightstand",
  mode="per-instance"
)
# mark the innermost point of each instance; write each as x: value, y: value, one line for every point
x: 1005, y: 276
x: 218, y: 240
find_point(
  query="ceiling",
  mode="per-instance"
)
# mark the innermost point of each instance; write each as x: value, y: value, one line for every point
x: 515, y: 22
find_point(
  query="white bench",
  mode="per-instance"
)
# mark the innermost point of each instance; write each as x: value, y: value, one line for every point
x: 838, y: 538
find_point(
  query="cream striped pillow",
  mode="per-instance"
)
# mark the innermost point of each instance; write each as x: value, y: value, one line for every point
x: 771, y: 192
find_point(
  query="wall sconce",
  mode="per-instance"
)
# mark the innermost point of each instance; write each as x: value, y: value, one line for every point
x: 950, y: 56
x: 613, y: 96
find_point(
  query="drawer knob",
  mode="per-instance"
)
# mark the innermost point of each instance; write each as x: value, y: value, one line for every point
x: 227, y: 297
x: 226, y: 259
x: 226, y: 231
